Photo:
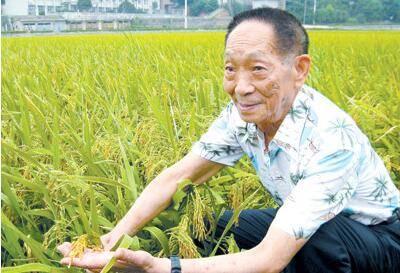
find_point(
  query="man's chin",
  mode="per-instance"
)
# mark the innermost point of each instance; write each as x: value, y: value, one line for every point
x: 249, y: 118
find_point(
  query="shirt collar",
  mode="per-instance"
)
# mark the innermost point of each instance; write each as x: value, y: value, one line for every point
x: 288, y: 136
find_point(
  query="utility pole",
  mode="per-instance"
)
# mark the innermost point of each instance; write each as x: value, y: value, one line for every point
x: 315, y: 11
x: 186, y: 12
x: 305, y: 11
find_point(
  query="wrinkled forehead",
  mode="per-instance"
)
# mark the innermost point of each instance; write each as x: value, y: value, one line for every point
x: 253, y: 54
x: 253, y: 38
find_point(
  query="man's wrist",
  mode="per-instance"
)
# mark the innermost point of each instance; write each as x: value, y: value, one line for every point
x: 161, y: 265
x: 124, y: 228
x: 175, y: 264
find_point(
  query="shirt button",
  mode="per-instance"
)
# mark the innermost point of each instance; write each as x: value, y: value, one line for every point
x: 267, y: 161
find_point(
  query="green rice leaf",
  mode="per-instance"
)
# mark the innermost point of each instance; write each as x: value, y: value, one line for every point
x: 160, y: 236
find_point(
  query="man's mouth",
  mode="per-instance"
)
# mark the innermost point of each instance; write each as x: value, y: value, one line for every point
x: 247, y: 106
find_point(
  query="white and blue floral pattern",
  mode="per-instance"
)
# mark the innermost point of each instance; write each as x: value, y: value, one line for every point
x: 317, y: 165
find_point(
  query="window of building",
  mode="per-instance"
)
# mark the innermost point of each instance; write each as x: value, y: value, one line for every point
x: 41, y: 10
x: 31, y: 10
x: 65, y: 6
x: 29, y: 26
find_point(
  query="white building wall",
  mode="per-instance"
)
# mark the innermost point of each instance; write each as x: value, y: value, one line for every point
x: 15, y: 7
x: 265, y: 3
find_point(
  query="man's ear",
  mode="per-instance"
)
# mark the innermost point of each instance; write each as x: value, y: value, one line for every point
x: 302, y: 66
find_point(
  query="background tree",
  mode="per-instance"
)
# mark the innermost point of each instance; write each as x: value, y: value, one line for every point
x: 203, y: 6
x: 345, y: 11
x: 84, y: 5
x: 327, y: 12
x: 199, y: 6
x: 369, y: 10
x: 127, y: 7
x: 391, y: 10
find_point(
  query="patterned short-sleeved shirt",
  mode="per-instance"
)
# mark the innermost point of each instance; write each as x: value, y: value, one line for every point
x: 317, y: 165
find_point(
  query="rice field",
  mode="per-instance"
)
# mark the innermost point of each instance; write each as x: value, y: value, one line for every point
x: 88, y: 121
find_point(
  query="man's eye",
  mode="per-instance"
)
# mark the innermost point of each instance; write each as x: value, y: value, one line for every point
x: 229, y: 69
x: 258, y: 68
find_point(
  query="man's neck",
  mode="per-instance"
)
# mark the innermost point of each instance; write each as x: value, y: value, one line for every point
x: 270, y: 128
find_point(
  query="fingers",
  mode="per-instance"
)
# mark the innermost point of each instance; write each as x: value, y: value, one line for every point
x: 124, y: 254
x: 138, y: 258
x: 89, y: 260
x: 65, y: 248
x: 78, y: 262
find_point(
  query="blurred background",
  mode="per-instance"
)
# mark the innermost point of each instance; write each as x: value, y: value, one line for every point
x: 116, y: 15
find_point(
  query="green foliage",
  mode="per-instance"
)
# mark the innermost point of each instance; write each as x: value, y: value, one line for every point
x: 89, y: 121
x: 371, y: 10
x: 203, y: 6
x: 127, y: 7
x: 331, y: 15
x: 391, y: 10
x: 199, y: 7
x: 341, y: 11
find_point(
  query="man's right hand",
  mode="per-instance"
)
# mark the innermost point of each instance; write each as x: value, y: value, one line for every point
x: 158, y: 195
x: 108, y: 240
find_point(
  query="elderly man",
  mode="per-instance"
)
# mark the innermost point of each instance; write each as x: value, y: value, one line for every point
x: 339, y: 209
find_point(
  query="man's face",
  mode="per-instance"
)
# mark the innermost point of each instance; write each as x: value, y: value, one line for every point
x: 261, y: 83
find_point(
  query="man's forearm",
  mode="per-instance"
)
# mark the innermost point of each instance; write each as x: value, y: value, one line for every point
x: 158, y: 194
x: 249, y: 261
x: 154, y: 199
x: 273, y: 254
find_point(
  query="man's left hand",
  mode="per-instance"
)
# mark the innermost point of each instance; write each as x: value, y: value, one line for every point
x: 127, y: 260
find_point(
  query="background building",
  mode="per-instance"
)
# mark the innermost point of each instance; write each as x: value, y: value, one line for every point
x: 51, y: 7
x: 67, y: 15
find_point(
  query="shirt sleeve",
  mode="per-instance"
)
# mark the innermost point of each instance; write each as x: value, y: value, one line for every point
x: 324, y: 191
x: 219, y: 144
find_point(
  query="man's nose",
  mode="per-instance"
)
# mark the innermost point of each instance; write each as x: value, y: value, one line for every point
x: 244, y: 86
